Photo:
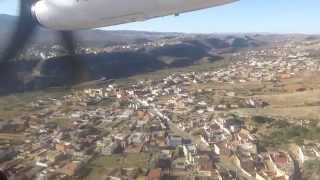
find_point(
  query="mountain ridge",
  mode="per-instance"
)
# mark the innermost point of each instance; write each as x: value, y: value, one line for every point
x: 186, y: 50
x: 100, y: 37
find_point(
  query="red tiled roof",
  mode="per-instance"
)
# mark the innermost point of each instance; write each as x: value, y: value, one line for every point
x: 155, y: 172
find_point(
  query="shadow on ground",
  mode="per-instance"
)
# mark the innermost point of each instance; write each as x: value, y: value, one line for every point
x: 27, y: 75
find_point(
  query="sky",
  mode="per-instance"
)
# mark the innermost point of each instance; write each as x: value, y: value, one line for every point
x: 244, y: 16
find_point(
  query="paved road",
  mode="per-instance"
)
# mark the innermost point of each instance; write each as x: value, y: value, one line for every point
x: 195, y: 140
x: 225, y: 162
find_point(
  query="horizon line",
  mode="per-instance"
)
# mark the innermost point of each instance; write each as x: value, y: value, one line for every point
x: 195, y: 33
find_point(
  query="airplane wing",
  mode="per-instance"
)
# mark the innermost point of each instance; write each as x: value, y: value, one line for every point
x: 82, y: 14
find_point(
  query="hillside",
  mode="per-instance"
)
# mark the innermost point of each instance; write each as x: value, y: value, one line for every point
x: 89, y: 37
x: 111, y: 54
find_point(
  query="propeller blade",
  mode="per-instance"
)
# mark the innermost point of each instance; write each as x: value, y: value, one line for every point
x: 78, y: 70
x: 24, y: 30
x: 68, y: 41
x: 3, y: 175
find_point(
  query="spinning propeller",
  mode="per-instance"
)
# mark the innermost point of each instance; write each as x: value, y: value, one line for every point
x: 26, y: 27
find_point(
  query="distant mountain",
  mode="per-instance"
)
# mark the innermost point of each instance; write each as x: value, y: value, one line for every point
x: 187, y: 49
x: 101, y: 38
x: 88, y: 37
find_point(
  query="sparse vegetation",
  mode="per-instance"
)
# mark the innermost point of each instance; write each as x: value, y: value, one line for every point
x: 283, y: 135
x: 121, y: 161
x: 311, y: 170
x: 62, y: 122
x: 262, y: 119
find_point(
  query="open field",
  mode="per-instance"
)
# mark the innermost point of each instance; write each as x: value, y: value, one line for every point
x: 121, y: 161
x: 305, y: 112
x: 100, y: 165
x: 96, y: 173
x: 11, y: 136
x: 14, y: 104
x: 294, y: 98
x: 306, y: 98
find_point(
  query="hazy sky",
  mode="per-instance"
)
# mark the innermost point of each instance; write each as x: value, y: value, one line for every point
x: 276, y: 16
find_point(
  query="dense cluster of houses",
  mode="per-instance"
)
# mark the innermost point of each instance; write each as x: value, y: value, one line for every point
x: 190, y: 135
x: 58, y: 50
